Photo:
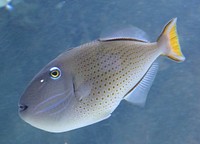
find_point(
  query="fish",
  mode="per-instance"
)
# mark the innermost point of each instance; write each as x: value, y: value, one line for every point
x: 6, y: 4
x: 85, y: 84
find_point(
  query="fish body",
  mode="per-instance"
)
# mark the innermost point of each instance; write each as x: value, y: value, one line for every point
x: 85, y: 85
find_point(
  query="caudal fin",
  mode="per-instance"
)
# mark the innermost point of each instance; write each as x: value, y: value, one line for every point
x: 168, y: 41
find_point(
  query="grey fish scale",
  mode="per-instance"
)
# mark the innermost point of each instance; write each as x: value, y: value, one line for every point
x: 113, y: 68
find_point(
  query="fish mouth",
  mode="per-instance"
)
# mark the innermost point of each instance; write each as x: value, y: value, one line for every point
x: 22, y: 107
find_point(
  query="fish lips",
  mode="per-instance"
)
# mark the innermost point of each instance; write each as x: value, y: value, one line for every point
x: 22, y: 110
x: 22, y: 107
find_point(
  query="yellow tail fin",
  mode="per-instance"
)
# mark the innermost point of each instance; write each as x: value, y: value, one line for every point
x: 168, y: 40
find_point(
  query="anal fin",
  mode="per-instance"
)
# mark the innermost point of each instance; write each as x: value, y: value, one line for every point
x: 139, y: 93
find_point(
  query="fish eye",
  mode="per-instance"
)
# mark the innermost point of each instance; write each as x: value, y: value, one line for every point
x: 55, y: 73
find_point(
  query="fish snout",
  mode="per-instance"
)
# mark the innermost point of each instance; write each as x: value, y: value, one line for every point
x: 22, y: 107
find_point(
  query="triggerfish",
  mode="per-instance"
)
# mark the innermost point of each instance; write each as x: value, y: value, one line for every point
x: 84, y: 85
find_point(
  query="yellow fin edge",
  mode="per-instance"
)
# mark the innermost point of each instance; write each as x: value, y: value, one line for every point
x: 174, y: 49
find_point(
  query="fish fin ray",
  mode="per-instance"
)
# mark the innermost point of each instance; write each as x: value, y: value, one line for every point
x: 168, y: 40
x: 139, y: 93
x: 128, y: 33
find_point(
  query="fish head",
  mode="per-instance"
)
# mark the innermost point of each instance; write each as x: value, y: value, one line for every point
x: 47, y: 97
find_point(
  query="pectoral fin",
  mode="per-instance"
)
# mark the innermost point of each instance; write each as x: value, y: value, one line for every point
x: 83, y: 90
x: 139, y: 93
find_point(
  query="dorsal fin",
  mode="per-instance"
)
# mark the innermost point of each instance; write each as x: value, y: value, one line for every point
x: 128, y: 33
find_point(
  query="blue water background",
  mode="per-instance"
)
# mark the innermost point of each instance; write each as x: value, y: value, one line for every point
x: 36, y: 31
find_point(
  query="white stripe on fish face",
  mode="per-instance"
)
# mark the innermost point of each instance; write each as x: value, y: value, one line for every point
x: 50, y: 98
x: 51, y: 107
x: 54, y: 104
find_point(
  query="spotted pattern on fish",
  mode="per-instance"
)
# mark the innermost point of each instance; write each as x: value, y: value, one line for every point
x: 84, y: 85
x: 112, y: 68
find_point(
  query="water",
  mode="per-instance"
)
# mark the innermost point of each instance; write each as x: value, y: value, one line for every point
x: 36, y: 31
